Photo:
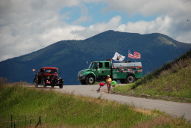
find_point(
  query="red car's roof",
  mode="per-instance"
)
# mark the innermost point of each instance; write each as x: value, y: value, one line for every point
x: 49, y: 68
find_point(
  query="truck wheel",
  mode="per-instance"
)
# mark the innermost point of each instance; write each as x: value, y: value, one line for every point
x: 90, y: 80
x: 130, y: 79
x: 82, y: 82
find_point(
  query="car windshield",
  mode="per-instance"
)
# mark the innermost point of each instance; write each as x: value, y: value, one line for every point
x: 50, y: 70
x: 93, y: 65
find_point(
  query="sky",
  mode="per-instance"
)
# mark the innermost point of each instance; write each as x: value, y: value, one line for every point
x: 29, y: 25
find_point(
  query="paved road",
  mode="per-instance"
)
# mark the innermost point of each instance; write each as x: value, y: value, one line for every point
x: 173, y: 108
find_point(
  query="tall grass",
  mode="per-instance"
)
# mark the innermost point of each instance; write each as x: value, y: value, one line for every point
x: 171, y: 67
x: 68, y: 111
x: 65, y: 110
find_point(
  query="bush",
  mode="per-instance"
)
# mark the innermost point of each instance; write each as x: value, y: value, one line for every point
x: 3, y: 81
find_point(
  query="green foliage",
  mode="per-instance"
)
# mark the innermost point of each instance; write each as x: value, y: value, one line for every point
x: 171, y: 67
x: 3, y: 81
x: 123, y: 89
x: 58, y: 109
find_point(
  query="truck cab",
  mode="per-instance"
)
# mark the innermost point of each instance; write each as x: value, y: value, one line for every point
x: 101, y: 69
x: 98, y: 70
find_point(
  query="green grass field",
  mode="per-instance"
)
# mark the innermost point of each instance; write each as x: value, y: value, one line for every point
x: 68, y: 111
x: 170, y: 82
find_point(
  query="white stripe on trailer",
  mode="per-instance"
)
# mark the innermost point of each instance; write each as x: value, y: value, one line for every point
x: 131, y: 64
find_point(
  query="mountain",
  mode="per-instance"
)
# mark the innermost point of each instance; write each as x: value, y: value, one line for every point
x: 73, y: 55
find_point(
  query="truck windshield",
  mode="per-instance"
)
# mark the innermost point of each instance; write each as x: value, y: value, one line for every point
x: 93, y: 65
x: 50, y: 70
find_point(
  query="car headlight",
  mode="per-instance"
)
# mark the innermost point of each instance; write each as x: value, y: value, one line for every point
x: 80, y: 74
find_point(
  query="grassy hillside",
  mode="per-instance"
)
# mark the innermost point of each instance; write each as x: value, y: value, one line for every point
x: 170, y: 82
x: 59, y: 110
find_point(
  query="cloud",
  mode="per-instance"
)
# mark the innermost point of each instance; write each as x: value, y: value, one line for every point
x: 84, y: 17
x: 28, y: 25
x: 159, y: 25
x: 173, y: 16
x: 150, y: 7
x: 94, y: 29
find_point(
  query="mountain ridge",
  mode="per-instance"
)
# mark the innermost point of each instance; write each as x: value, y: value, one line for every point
x: 73, y: 55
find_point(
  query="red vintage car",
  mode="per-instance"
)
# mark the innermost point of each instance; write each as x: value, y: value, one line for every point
x: 48, y: 76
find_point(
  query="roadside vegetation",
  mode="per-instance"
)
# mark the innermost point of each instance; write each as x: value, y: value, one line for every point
x: 67, y: 111
x: 171, y: 82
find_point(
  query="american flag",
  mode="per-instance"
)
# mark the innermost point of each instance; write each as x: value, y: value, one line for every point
x: 135, y: 55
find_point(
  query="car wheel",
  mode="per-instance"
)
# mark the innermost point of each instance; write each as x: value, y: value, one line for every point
x: 60, y: 83
x: 61, y: 86
x: 90, y: 79
x: 36, y: 85
x: 35, y: 81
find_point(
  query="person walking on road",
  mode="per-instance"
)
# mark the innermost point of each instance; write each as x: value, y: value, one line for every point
x: 108, y: 81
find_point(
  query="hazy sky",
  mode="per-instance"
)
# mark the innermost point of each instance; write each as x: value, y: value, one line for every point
x: 29, y: 25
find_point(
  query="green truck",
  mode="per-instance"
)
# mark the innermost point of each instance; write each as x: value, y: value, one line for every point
x: 126, y: 72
